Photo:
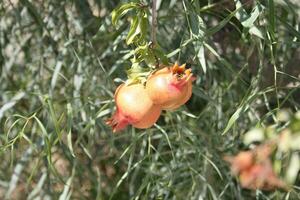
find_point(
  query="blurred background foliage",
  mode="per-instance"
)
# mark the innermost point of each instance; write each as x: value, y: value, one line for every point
x: 61, y: 61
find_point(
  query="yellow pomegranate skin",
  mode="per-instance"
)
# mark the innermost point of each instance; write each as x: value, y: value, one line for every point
x: 133, y: 107
x: 170, y: 87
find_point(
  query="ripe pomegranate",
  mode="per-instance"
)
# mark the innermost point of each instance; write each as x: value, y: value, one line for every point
x: 261, y: 176
x: 133, y: 107
x: 170, y: 87
x: 254, y: 168
x: 241, y: 161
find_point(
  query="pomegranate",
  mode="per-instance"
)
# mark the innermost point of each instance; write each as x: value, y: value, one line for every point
x: 261, y: 176
x: 241, y: 161
x: 170, y: 87
x: 133, y: 107
x: 254, y: 168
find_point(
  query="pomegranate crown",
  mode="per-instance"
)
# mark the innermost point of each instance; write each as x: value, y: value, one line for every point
x: 182, y: 74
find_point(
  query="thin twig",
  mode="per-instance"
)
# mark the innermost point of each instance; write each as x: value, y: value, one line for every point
x: 154, y: 23
x: 153, y: 31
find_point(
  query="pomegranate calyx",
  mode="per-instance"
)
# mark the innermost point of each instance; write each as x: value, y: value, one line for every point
x: 178, y: 70
x: 181, y: 80
x: 118, y: 121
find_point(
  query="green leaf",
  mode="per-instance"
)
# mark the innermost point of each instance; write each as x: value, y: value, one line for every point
x: 143, y: 25
x: 201, y: 57
x: 245, y: 19
x: 54, y: 118
x: 215, y: 29
x: 249, y: 22
x: 133, y: 31
x: 42, y: 127
x: 293, y: 169
x: 173, y: 53
x: 158, y: 52
x: 197, y: 25
x: 272, y: 17
x: 70, y: 123
x: 244, y: 106
x: 255, y: 31
x: 241, y: 15
x: 234, y: 117
x: 102, y: 113
x: 121, y: 11
x: 290, y: 28
x: 195, y: 22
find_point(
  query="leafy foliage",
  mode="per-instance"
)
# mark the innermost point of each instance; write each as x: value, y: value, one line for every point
x: 61, y: 61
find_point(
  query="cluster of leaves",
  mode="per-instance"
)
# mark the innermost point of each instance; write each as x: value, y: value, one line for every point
x: 146, y: 52
x: 61, y: 61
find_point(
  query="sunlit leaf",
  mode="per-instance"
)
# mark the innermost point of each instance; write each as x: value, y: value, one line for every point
x: 293, y: 169
x: 133, y: 31
x: 121, y: 11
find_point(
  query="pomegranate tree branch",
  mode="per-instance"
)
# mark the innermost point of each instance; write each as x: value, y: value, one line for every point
x: 154, y: 23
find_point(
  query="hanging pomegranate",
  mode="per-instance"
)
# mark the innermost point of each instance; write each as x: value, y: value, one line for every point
x: 133, y: 107
x: 170, y: 87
